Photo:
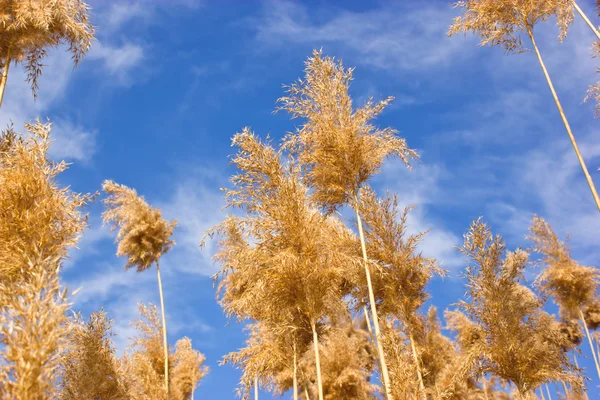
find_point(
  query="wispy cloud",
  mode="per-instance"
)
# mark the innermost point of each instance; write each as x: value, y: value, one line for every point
x: 395, y: 37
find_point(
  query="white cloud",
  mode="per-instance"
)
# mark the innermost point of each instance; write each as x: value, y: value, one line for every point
x: 72, y: 142
x: 196, y: 204
x: 395, y: 37
x: 118, y: 61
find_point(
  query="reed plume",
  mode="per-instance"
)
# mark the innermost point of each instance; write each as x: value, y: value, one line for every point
x: 573, y: 286
x: 284, y: 252
x: 144, y: 361
x: 339, y: 148
x: 90, y: 369
x: 33, y: 330
x: 502, y: 23
x: 399, y: 273
x: 188, y: 370
x: 515, y: 339
x: 37, y: 216
x: 29, y: 27
x: 143, y: 237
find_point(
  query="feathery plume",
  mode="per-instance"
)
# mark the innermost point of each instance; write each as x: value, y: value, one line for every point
x: 29, y: 27
x: 90, y: 369
x: 36, y: 214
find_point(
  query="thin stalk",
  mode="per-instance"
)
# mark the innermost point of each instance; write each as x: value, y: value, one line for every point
x: 417, y: 363
x: 306, y: 393
x: 255, y: 388
x: 577, y: 365
x: 564, y: 385
x: 366, y: 313
x: 566, y: 123
x: 542, y: 393
x: 295, y: 374
x: 548, y: 391
x: 164, y: 325
x: 484, y: 385
x: 317, y: 358
x: 587, y: 333
x: 586, y: 19
x: 4, y: 75
x: 384, y: 370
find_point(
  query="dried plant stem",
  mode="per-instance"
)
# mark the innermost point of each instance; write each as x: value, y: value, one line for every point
x: 317, y: 358
x: 564, y: 385
x: 587, y: 333
x: 542, y: 393
x: 295, y: 374
x: 417, y: 363
x: 306, y: 393
x: 586, y: 19
x: 255, y: 388
x: 370, y: 329
x: 4, y: 75
x: 566, y: 123
x: 548, y: 391
x: 384, y: 370
x: 484, y: 387
x: 164, y: 326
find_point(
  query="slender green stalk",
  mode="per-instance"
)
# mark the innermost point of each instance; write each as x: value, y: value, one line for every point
x: 164, y: 326
x: 317, y: 359
x: 384, y: 370
x: 566, y: 122
x: 586, y: 19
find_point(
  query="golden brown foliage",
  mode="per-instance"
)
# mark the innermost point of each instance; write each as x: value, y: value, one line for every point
x: 36, y: 215
x: 572, y: 285
x: 90, y: 370
x: 29, y: 27
x: 144, y: 361
x: 268, y: 356
x: 188, y: 370
x: 347, y: 362
x: 399, y: 273
x: 337, y: 146
x: 32, y: 330
x: 501, y: 22
x: 517, y: 340
x: 144, y: 236
x: 280, y: 261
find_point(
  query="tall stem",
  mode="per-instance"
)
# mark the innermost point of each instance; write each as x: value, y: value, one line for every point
x: 384, y: 370
x: 306, y: 393
x: 564, y: 385
x: 542, y: 393
x: 417, y: 363
x: 317, y: 359
x: 255, y: 388
x: 4, y: 75
x: 586, y: 19
x: 566, y: 123
x: 484, y: 386
x: 548, y: 391
x: 587, y: 333
x: 164, y: 326
x: 295, y: 373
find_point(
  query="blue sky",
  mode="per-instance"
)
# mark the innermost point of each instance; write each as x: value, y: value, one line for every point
x: 166, y: 85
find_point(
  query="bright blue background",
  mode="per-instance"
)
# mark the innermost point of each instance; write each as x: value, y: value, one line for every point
x: 167, y: 84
